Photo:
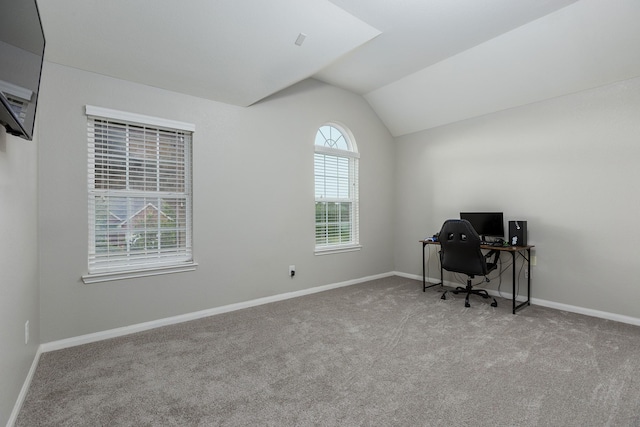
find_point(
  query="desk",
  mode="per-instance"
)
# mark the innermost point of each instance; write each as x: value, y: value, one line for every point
x: 513, y: 250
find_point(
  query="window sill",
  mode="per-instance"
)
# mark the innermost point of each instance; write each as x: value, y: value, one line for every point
x: 142, y: 272
x: 337, y: 249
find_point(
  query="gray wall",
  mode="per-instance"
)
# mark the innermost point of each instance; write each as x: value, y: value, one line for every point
x: 253, y: 200
x: 18, y: 265
x: 569, y: 166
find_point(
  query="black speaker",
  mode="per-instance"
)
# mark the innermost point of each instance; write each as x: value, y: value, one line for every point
x: 518, y: 233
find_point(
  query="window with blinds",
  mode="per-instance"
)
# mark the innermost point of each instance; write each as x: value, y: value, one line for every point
x: 140, y: 194
x: 336, y: 190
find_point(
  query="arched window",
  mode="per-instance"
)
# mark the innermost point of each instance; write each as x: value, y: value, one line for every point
x: 336, y: 189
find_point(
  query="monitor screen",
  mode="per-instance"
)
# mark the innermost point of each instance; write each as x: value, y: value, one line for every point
x: 486, y: 223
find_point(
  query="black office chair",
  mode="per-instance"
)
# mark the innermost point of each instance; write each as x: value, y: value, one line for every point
x: 460, y: 253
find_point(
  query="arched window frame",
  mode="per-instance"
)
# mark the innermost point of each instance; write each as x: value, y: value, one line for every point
x: 337, y: 210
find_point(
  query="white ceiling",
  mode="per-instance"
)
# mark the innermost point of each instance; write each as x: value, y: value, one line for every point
x: 420, y: 33
x: 233, y: 51
x: 415, y: 61
x: 588, y: 44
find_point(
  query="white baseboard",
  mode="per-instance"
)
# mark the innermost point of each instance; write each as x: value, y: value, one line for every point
x: 587, y: 311
x: 409, y: 276
x: 541, y: 302
x: 25, y: 388
x: 126, y: 330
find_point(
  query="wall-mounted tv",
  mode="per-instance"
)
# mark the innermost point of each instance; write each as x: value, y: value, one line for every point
x: 21, y: 54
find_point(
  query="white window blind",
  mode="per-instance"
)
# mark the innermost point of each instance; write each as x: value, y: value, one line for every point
x: 336, y: 190
x: 140, y: 195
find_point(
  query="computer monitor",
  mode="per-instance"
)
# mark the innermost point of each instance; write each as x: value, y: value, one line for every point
x: 486, y: 224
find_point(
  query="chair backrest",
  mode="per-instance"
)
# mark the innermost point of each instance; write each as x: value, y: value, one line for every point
x: 460, y: 248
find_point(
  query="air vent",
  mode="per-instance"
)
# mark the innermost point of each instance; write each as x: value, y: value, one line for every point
x: 300, y: 39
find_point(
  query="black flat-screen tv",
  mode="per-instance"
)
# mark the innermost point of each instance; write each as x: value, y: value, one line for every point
x: 21, y: 55
x: 486, y: 224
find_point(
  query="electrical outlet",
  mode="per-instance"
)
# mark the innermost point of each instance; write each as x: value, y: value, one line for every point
x: 526, y: 274
x: 26, y: 332
x: 292, y: 271
x: 534, y: 260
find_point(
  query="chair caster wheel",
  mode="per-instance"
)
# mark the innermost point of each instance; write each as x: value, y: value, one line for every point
x: 444, y: 296
x: 494, y: 303
x: 455, y: 292
x: 466, y: 304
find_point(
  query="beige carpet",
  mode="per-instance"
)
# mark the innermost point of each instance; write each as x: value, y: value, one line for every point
x: 382, y: 353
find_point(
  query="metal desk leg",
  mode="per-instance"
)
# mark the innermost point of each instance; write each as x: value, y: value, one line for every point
x: 424, y: 272
x: 529, y: 276
x: 528, y: 301
x: 424, y: 280
x: 513, y: 277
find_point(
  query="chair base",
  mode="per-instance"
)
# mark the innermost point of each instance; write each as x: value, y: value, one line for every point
x: 470, y: 291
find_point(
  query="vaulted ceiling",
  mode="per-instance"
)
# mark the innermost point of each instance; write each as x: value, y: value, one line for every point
x: 419, y: 63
